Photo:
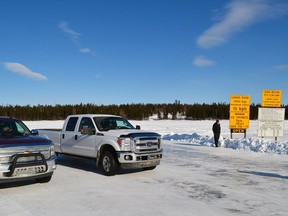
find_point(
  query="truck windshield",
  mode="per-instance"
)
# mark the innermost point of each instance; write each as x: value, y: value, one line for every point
x: 112, y: 123
x: 12, y: 127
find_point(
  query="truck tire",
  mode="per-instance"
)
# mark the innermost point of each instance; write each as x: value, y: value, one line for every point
x: 109, y: 164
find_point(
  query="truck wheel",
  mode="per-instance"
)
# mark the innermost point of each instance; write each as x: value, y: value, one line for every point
x: 109, y: 164
x: 44, y: 179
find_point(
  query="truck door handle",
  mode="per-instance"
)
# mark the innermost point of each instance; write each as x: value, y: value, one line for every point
x: 63, y: 136
x: 76, y: 137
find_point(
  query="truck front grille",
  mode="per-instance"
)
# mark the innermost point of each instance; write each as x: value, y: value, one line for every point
x: 7, y: 154
x: 147, y: 144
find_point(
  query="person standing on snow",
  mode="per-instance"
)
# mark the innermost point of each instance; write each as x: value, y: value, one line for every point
x: 216, y: 131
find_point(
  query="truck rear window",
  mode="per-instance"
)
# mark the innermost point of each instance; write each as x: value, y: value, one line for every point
x: 71, y: 124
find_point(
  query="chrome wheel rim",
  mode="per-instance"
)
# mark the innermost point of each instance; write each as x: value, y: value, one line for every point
x: 106, y: 164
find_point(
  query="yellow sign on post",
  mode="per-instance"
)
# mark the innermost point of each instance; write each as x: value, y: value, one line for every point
x: 239, y: 120
x: 239, y: 112
x: 271, y: 98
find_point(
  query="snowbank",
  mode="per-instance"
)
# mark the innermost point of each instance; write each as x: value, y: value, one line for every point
x: 247, y: 144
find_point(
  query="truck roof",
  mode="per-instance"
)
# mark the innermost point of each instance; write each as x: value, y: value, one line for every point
x: 92, y: 115
x: 7, y: 118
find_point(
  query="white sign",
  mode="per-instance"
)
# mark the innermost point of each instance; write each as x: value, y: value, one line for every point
x: 271, y: 122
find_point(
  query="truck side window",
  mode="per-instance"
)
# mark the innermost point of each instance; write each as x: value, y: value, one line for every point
x: 6, y: 128
x: 86, y: 123
x: 71, y: 124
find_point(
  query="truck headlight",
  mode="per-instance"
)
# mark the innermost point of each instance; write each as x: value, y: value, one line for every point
x: 124, y: 143
x: 52, y: 151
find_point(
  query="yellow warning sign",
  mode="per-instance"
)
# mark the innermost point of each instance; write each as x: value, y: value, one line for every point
x: 271, y: 98
x: 239, y: 111
x: 239, y: 120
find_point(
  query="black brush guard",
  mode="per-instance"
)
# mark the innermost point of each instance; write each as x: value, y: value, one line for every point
x: 16, y: 165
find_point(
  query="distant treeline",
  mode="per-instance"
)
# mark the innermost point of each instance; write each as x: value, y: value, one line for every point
x: 130, y: 111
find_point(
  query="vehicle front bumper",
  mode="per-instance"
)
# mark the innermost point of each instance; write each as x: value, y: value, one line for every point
x: 26, y: 172
x: 130, y: 160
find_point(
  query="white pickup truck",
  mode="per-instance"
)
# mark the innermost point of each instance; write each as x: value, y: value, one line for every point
x: 111, y: 140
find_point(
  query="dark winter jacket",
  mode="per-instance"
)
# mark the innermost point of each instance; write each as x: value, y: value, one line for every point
x: 216, y: 128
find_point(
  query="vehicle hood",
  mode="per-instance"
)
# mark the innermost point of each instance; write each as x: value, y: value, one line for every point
x: 26, y: 140
x: 129, y: 133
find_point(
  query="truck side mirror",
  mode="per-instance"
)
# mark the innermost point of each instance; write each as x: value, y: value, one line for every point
x: 88, y: 131
x: 34, y: 132
x: 138, y: 127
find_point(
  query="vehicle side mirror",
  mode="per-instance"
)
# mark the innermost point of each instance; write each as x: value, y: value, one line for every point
x: 138, y: 127
x: 34, y: 132
x: 88, y: 131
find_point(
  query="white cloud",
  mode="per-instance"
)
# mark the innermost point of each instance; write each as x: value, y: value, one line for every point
x: 70, y: 33
x: 202, y: 61
x: 238, y: 15
x: 74, y: 36
x: 85, y: 50
x: 283, y: 67
x: 21, y: 69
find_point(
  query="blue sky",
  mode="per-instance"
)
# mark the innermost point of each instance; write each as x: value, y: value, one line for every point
x: 141, y: 51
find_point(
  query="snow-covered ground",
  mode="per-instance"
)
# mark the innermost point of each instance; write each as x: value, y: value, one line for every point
x: 242, y: 177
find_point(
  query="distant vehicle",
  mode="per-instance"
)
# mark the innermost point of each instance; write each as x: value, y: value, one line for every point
x: 23, y: 155
x: 111, y: 140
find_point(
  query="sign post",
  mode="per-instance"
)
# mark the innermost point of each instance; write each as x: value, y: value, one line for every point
x: 239, y: 114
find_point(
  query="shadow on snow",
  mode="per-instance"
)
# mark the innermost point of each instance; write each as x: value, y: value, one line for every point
x: 273, y: 175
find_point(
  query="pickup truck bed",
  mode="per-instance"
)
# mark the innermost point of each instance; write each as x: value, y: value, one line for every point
x: 53, y: 135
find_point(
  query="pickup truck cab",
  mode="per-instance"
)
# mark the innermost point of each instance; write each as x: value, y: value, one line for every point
x: 111, y: 140
x: 23, y: 154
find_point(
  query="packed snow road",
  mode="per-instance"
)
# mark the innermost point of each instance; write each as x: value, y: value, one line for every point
x: 191, y: 180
